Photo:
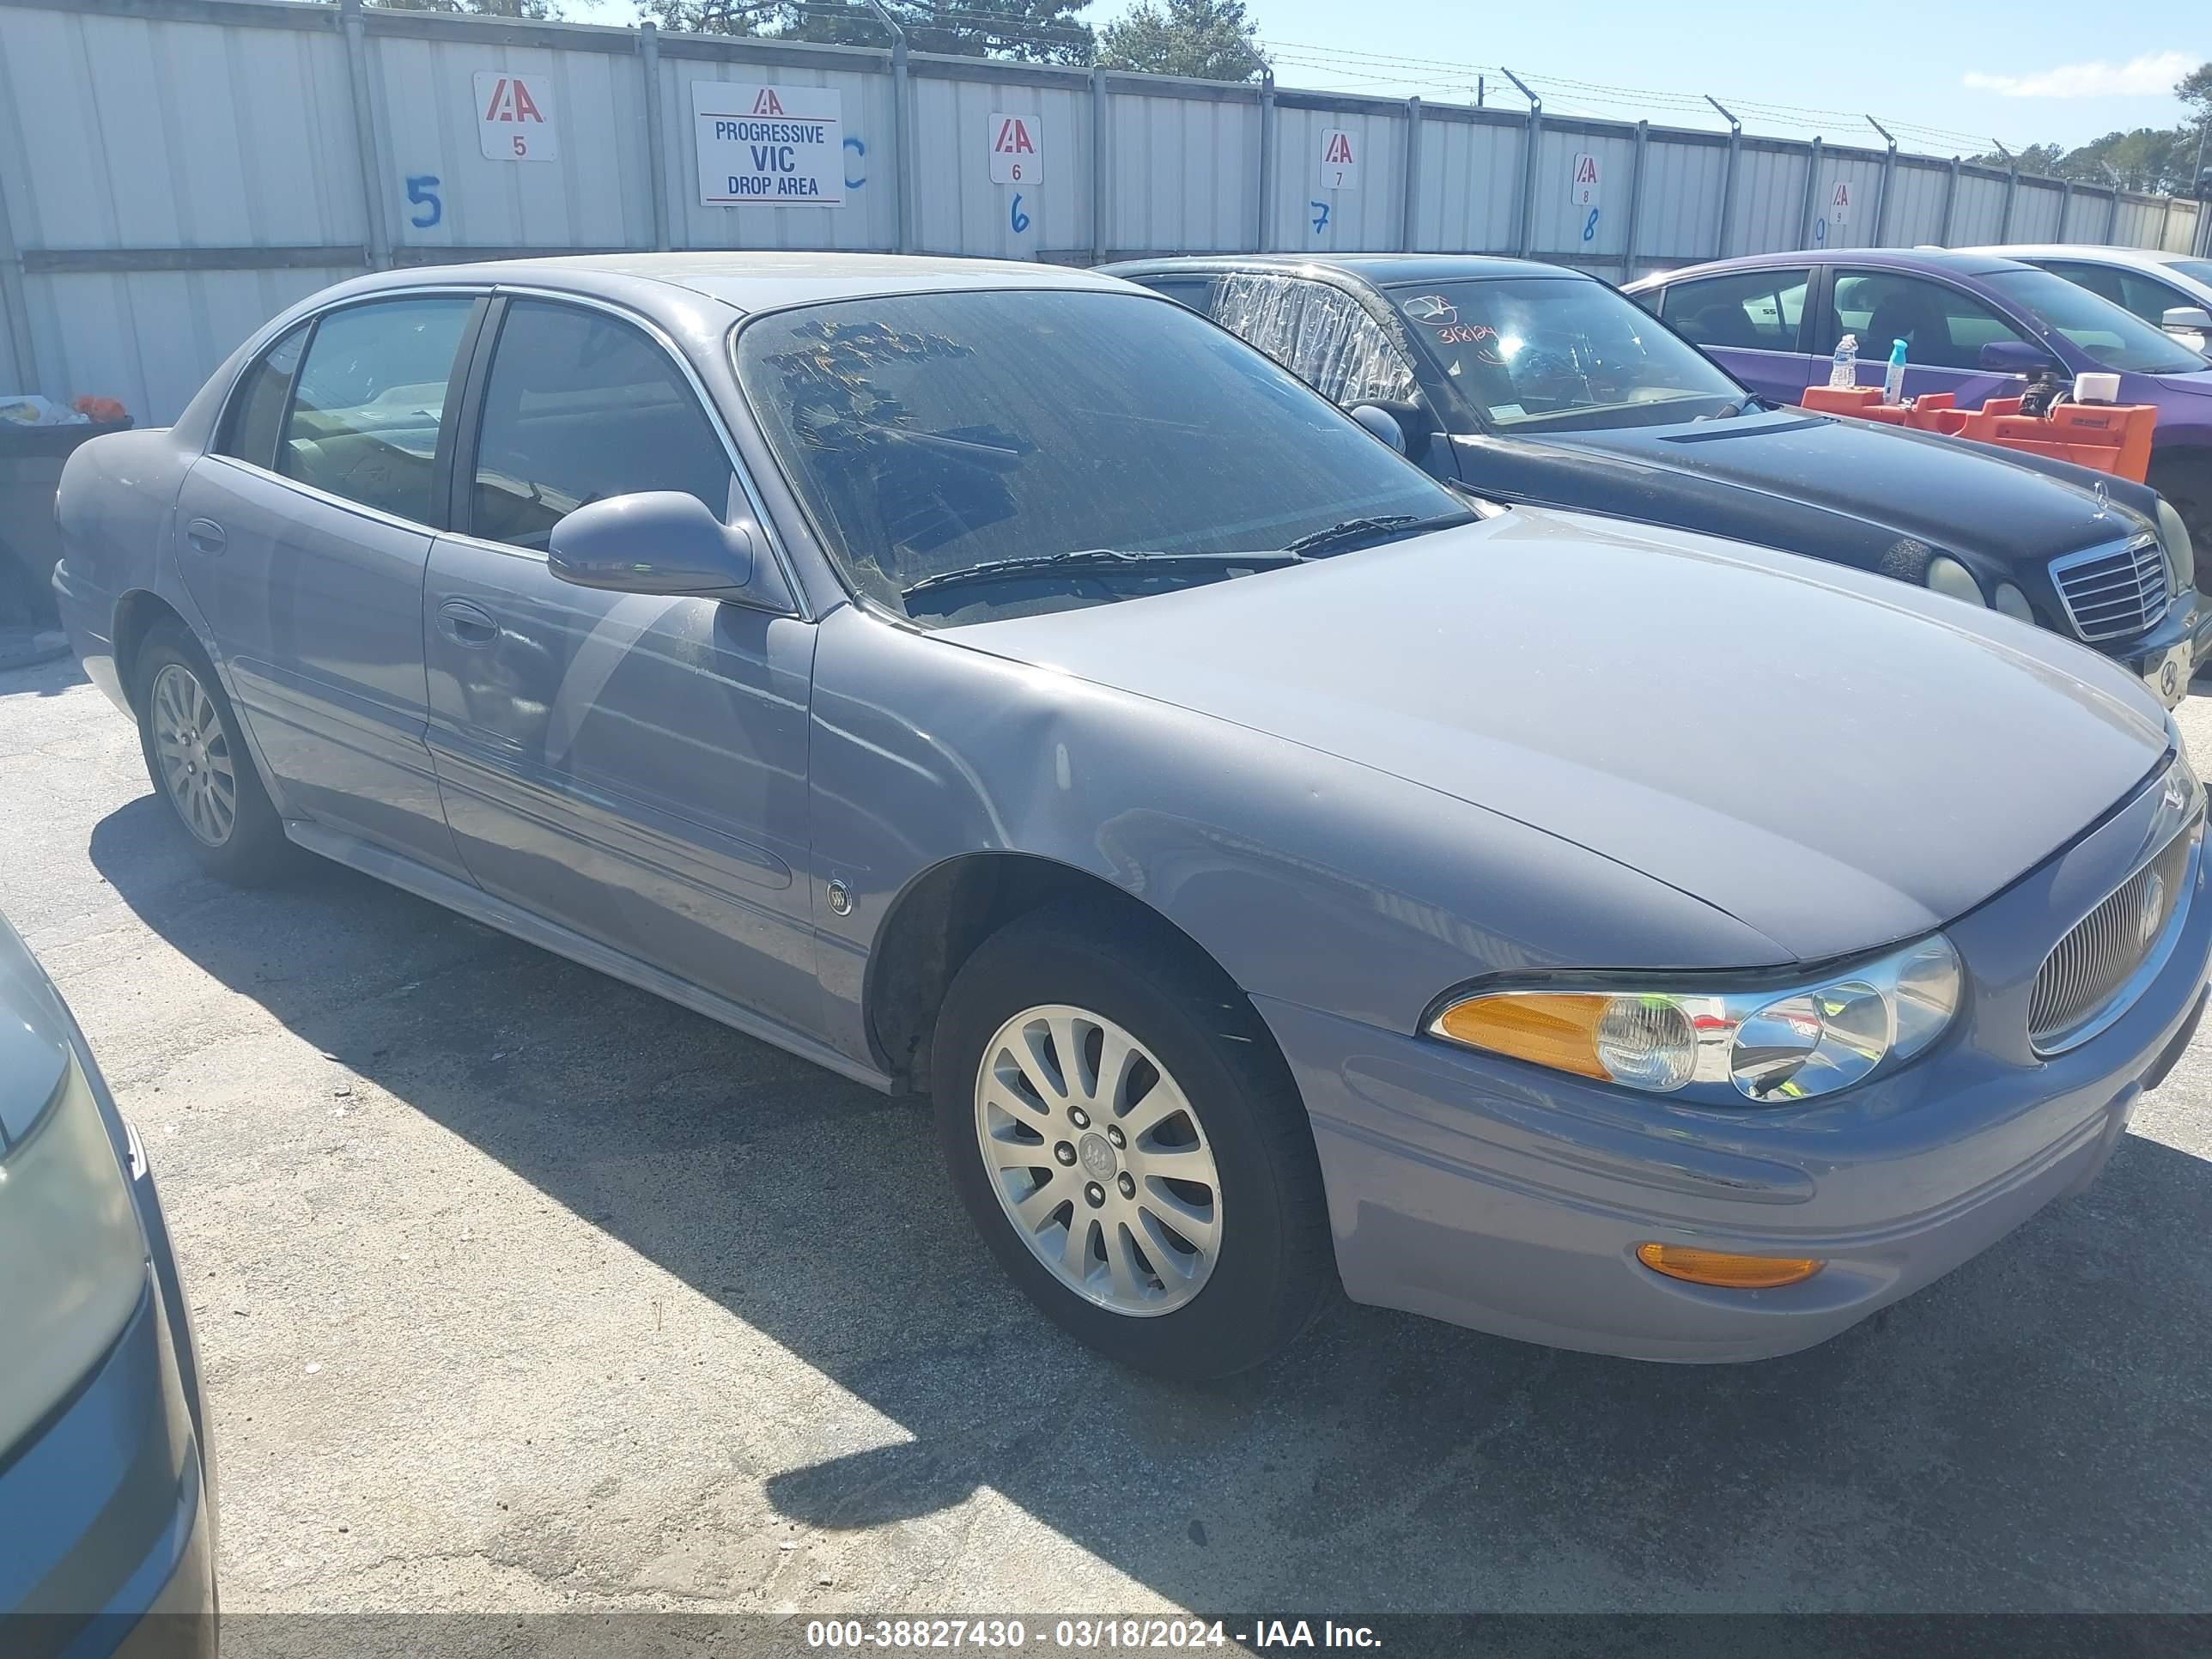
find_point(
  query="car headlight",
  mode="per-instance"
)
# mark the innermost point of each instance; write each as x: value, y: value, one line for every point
x: 2014, y: 602
x: 1772, y: 1044
x: 69, y: 1230
x: 1948, y: 576
x: 2180, y: 552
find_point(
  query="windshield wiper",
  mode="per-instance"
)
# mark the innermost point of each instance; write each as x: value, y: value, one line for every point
x: 1353, y: 532
x: 1103, y: 558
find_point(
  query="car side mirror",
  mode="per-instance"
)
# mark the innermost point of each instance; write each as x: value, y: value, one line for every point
x: 2017, y: 357
x: 1407, y: 427
x: 2186, y: 319
x: 663, y: 542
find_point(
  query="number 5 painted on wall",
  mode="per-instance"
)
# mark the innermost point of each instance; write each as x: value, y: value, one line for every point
x: 423, y: 193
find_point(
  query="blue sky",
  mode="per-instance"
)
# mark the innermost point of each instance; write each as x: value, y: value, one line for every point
x: 2027, y: 71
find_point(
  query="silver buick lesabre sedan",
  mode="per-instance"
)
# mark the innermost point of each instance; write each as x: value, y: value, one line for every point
x: 999, y: 681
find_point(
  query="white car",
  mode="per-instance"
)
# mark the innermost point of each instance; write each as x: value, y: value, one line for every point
x: 2172, y: 291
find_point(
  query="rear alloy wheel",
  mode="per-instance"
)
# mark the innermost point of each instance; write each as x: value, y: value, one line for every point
x: 1127, y: 1137
x: 194, y: 751
x: 199, y: 764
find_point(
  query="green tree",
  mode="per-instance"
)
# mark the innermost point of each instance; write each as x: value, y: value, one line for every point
x: 1031, y: 31
x: 1211, y: 39
x: 2195, y: 90
x: 2036, y: 158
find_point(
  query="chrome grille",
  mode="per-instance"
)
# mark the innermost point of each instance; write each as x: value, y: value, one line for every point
x: 2112, y: 591
x: 2089, y: 968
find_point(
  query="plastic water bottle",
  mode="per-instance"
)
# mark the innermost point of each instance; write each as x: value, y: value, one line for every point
x: 1893, y: 383
x: 1845, y: 370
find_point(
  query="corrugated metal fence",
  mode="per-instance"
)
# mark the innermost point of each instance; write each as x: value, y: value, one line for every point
x: 171, y: 172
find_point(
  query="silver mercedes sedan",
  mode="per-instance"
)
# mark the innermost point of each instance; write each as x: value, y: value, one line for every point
x: 1280, y: 868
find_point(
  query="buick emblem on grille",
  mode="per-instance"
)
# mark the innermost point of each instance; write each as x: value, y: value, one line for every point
x: 2151, y: 910
x: 2104, y: 498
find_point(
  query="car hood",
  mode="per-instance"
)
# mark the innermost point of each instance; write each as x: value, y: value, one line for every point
x: 1835, y: 759
x: 1919, y: 485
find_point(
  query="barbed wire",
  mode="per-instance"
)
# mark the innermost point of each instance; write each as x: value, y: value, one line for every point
x: 1361, y: 71
x: 1373, y: 68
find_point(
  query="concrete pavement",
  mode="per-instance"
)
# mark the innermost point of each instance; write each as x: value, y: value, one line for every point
x: 519, y: 1289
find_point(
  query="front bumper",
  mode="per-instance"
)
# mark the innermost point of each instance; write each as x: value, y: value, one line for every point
x: 107, y: 1537
x: 1507, y: 1198
x: 2166, y: 659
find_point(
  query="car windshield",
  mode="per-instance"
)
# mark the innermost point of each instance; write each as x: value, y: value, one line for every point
x: 2108, y: 335
x: 1562, y: 354
x: 931, y: 435
x: 2199, y: 270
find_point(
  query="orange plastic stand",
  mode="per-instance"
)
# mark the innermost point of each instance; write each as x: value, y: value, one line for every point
x: 2112, y: 438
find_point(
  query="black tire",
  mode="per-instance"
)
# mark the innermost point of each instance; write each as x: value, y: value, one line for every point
x: 2186, y: 483
x: 251, y: 850
x: 1273, y: 1262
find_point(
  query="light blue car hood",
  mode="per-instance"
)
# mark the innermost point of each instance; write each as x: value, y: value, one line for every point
x: 1834, y: 759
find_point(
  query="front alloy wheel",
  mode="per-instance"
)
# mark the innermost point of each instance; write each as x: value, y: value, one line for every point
x: 1098, y: 1159
x: 1121, y: 1128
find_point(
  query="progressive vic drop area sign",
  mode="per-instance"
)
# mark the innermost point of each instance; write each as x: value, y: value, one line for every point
x: 768, y: 146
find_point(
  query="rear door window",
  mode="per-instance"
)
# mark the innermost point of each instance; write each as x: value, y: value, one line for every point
x: 1744, y: 310
x: 364, y: 415
x: 255, y: 413
x: 1195, y: 291
x: 580, y: 406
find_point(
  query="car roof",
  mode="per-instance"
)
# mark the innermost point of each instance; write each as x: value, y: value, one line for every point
x: 2088, y: 252
x: 1958, y: 262
x: 746, y: 281
x: 1382, y: 269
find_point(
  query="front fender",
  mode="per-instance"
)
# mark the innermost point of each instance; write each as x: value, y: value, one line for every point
x: 1309, y: 879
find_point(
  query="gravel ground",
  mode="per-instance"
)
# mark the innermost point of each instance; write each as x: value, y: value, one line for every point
x: 520, y: 1290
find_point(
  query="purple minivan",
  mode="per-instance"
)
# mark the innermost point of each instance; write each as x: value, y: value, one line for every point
x: 1973, y: 324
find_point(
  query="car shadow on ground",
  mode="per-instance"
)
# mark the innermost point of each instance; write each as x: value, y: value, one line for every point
x: 2029, y: 1434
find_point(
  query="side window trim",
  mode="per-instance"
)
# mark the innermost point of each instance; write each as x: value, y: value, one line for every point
x: 443, y: 479
x: 470, y: 417
x: 468, y: 427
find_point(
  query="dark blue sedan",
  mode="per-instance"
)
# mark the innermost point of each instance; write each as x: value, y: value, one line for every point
x: 1534, y: 385
x: 107, y: 1495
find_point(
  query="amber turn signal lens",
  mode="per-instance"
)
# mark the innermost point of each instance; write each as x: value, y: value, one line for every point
x: 1728, y: 1271
x: 1558, y: 1031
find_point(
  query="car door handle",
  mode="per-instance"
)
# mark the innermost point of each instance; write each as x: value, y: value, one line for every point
x: 206, y: 536
x: 466, y: 624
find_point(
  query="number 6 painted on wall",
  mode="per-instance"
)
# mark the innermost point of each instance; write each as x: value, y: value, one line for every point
x: 1019, y: 220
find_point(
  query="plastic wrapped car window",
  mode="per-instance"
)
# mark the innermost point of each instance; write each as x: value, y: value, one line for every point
x: 1321, y: 334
